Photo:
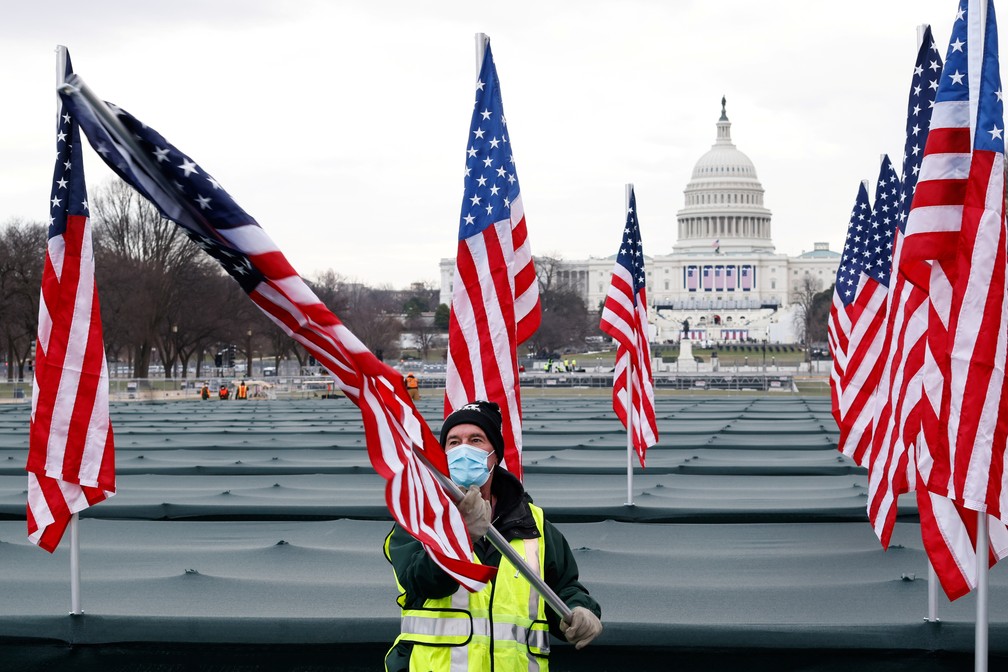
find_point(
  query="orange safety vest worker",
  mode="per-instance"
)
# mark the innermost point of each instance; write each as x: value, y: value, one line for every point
x: 413, y: 386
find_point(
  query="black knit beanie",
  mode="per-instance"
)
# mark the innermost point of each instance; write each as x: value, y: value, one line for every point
x: 484, y: 414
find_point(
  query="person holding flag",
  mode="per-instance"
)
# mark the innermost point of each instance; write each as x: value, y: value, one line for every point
x: 447, y: 628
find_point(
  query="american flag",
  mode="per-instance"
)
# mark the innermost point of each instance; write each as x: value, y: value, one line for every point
x: 848, y: 274
x: 624, y: 317
x: 708, y: 278
x: 495, y: 296
x: 395, y: 431
x: 719, y: 278
x: 957, y: 222
x: 978, y: 342
x: 865, y: 298
x: 897, y: 404
x: 71, y: 457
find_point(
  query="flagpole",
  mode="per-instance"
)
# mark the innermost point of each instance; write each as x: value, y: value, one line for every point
x: 932, y: 616
x: 983, y: 569
x: 932, y: 613
x: 481, y: 40
x: 629, y: 401
x: 75, y: 573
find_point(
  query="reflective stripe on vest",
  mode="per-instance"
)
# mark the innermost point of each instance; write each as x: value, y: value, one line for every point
x: 447, y: 630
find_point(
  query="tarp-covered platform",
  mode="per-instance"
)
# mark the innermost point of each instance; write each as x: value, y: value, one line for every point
x: 248, y: 536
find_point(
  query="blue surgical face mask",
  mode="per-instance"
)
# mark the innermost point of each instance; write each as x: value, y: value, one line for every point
x: 467, y: 465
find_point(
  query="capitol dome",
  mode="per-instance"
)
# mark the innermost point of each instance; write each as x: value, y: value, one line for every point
x: 724, y: 209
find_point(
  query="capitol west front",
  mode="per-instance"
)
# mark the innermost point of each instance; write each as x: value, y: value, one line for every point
x: 723, y: 275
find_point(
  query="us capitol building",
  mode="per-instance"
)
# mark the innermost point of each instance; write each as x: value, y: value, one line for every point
x: 723, y: 276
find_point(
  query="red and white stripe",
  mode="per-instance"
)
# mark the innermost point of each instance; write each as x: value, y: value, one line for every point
x: 897, y: 405
x: 71, y: 461
x: 395, y: 431
x: 978, y: 403
x: 837, y: 335
x: 495, y: 307
x: 862, y: 367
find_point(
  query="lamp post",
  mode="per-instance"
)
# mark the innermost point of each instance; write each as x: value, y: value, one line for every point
x: 764, y: 365
x: 174, y: 336
x: 248, y: 355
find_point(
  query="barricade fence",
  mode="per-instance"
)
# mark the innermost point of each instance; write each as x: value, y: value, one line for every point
x: 307, y: 387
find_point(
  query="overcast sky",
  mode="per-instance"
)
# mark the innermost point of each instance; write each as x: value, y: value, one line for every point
x: 342, y: 126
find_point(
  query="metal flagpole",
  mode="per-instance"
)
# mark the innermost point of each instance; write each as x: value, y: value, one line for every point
x: 932, y: 616
x: 481, y: 40
x: 75, y: 574
x: 629, y: 400
x: 75, y: 601
x: 932, y: 613
x: 983, y: 569
x: 976, y: 41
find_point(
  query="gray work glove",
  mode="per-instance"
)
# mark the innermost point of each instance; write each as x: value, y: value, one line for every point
x: 584, y: 626
x: 475, y: 512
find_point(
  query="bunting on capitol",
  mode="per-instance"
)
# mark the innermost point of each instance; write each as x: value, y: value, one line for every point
x: 495, y: 294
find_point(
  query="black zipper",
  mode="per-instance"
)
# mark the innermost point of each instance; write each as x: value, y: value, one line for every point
x: 493, y: 589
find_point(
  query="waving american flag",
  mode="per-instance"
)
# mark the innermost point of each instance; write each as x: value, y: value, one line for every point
x: 956, y: 222
x: 495, y: 295
x: 395, y: 431
x: 844, y: 289
x: 624, y: 317
x: 71, y: 458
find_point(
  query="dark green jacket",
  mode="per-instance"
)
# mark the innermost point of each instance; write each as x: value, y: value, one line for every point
x: 423, y: 579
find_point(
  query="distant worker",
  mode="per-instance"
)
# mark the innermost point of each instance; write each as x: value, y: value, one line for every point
x: 413, y: 386
x: 223, y: 393
x: 205, y: 391
x: 573, y: 365
x: 242, y: 391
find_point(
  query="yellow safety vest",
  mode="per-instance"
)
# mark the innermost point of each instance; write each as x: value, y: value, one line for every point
x: 508, y: 618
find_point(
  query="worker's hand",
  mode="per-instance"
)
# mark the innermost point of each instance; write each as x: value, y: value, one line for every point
x: 475, y: 512
x: 584, y: 626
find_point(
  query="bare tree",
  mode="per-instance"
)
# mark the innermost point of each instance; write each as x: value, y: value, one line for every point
x: 143, y: 263
x: 22, y: 251
x: 371, y: 313
x: 565, y: 317
x: 804, y: 298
